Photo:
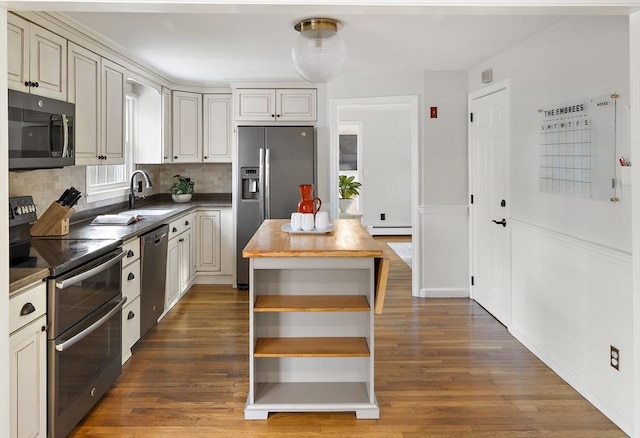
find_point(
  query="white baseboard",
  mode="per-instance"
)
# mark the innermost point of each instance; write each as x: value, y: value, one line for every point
x: 204, y: 278
x: 443, y: 292
x: 389, y: 231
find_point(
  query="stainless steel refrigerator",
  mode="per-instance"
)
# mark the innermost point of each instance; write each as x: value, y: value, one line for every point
x: 272, y: 162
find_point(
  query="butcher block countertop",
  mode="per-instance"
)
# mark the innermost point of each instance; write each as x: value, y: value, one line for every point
x: 21, y: 277
x: 348, y: 239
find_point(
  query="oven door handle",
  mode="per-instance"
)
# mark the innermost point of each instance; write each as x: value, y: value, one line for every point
x: 92, y: 328
x: 91, y: 272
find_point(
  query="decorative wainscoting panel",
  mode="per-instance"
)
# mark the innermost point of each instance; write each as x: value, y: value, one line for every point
x: 572, y: 301
x: 445, y: 251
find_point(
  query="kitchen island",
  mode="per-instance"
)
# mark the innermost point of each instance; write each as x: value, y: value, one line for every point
x: 311, y: 320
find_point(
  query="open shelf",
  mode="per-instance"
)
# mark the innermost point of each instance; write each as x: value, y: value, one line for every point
x: 311, y: 303
x: 311, y: 393
x: 311, y: 347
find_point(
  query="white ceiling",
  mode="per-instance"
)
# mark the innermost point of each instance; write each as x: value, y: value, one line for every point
x: 191, y: 42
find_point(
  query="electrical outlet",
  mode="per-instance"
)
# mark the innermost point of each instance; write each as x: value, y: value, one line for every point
x: 383, y: 216
x: 614, y: 358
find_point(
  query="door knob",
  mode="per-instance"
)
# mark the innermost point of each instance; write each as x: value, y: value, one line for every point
x: 503, y: 222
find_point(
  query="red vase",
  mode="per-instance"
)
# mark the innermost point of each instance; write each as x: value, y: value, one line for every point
x: 308, y: 204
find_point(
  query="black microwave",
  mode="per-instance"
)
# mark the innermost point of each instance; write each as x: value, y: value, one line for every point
x: 41, y: 133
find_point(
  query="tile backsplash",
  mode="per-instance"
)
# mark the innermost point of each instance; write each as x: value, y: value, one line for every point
x: 46, y: 185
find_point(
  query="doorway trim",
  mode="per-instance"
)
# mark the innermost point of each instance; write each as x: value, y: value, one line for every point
x: 336, y: 106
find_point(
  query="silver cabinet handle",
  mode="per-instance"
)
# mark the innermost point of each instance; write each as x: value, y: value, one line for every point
x: 261, y: 175
x: 267, y: 182
x: 92, y: 328
x: 65, y: 133
x: 91, y: 272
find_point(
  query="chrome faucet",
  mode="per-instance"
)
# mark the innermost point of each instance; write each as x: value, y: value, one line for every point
x: 132, y: 196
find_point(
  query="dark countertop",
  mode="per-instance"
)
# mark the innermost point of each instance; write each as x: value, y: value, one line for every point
x: 81, y: 228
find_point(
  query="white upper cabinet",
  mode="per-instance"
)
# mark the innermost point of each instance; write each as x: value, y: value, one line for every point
x: 187, y: 127
x: 217, y: 128
x: 84, y: 90
x: 167, y: 127
x: 276, y: 105
x: 113, y: 100
x: 96, y: 86
x: 36, y: 59
x: 149, y: 145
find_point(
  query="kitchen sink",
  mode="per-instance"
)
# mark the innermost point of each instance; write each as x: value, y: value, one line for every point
x: 147, y: 212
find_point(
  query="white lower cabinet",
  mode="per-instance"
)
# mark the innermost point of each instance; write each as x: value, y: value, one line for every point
x: 28, y: 362
x: 131, y: 290
x: 214, y: 246
x: 180, y: 259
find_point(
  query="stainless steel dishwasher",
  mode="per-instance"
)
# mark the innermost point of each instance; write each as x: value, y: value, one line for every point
x: 152, y: 283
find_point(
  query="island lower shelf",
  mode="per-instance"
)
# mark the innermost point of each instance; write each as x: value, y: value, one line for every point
x: 312, y: 397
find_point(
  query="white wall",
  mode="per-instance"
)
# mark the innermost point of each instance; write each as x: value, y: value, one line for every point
x: 571, y: 282
x: 442, y: 209
x: 386, y: 165
x: 444, y: 212
x: 356, y: 86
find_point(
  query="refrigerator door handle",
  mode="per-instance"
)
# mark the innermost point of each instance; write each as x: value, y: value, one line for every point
x: 267, y: 183
x: 261, y: 175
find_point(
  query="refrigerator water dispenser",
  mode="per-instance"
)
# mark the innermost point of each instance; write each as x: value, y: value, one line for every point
x: 250, y: 178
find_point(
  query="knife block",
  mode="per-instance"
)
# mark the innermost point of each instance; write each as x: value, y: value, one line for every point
x: 53, y: 222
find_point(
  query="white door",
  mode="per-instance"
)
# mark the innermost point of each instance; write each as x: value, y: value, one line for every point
x: 490, y: 230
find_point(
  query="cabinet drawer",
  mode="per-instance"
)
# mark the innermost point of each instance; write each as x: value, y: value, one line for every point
x: 182, y: 224
x: 132, y: 248
x: 131, y: 281
x: 32, y: 302
x: 130, y: 327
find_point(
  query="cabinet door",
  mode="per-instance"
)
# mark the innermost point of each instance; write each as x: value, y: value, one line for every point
x: 130, y: 327
x: 187, y: 127
x: 227, y: 242
x: 217, y: 128
x: 48, y: 63
x: 186, y: 260
x: 17, y: 53
x: 28, y: 380
x: 256, y: 104
x: 296, y: 105
x: 173, y: 273
x: 208, y: 243
x: 167, y: 127
x: 113, y: 99
x: 84, y: 91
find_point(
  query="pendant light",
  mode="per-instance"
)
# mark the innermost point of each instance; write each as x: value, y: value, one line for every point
x: 319, y: 54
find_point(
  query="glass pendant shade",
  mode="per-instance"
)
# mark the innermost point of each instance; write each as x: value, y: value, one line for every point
x: 319, y: 54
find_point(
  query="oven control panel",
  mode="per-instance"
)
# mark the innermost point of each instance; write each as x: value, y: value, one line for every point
x: 22, y: 210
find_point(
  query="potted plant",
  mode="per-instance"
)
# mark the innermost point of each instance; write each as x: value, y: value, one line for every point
x: 182, y: 188
x: 348, y: 189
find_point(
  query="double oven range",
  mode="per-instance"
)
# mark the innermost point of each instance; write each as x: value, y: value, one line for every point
x: 84, y: 314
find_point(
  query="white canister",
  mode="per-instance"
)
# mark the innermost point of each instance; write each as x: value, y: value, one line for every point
x: 322, y: 220
x: 307, y: 222
x: 296, y: 221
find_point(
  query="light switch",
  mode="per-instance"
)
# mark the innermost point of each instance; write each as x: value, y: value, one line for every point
x: 434, y: 112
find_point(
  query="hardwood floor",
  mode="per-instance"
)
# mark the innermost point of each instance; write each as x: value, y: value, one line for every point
x: 444, y: 368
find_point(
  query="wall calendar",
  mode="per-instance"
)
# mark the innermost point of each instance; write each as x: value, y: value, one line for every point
x: 578, y: 148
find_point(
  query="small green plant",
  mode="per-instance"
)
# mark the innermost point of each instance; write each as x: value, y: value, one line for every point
x: 182, y: 185
x: 347, y: 187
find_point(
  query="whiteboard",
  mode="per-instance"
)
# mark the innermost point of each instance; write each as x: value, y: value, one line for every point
x: 577, y: 148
